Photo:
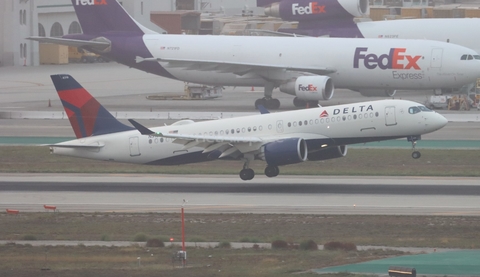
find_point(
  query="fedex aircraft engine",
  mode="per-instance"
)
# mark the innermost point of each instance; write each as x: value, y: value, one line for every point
x: 310, y: 88
x: 303, y: 10
x: 285, y: 151
x: 328, y: 153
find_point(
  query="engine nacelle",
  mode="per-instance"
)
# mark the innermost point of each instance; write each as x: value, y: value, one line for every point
x: 377, y: 92
x: 310, y: 88
x: 328, y: 153
x: 286, y: 151
x: 305, y: 10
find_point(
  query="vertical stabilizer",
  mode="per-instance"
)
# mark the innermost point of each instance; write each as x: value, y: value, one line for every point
x: 106, y: 16
x: 87, y: 116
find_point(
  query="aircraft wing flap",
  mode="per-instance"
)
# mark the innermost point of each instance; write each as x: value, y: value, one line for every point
x: 240, y: 68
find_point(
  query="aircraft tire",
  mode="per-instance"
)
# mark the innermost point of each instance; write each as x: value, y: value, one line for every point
x: 272, y: 171
x: 261, y: 101
x: 299, y: 103
x: 247, y: 174
x: 416, y: 155
x: 273, y: 104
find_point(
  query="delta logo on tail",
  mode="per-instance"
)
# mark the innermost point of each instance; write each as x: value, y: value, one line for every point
x: 395, y: 59
x: 91, y: 2
x: 312, y: 8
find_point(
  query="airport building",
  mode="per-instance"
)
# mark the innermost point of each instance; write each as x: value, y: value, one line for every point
x: 20, y: 19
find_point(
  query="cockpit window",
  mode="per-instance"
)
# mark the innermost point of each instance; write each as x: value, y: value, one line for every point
x: 413, y: 110
x: 424, y: 109
x: 470, y: 57
x: 418, y: 109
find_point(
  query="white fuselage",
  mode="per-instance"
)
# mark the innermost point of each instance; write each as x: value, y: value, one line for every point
x: 461, y: 31
x: 419, y: 64
x: 330, y: 126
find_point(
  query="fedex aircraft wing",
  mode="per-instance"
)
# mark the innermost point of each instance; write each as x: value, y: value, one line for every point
x: 308, y: 68
x: 277, y: 138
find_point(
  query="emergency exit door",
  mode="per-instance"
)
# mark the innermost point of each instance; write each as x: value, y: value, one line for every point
x: 134, y: 147
x: 390, y: 117
x: 436, y: 61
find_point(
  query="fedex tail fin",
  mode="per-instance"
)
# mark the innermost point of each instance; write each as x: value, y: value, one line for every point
x: 106, y: 16
x: 86, y: 115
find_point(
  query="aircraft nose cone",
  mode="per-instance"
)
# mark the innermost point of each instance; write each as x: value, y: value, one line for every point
x: 440, y: 121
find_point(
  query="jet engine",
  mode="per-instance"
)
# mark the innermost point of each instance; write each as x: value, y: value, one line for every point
x: 377, y: 92
x: 304, y: 10
x: 285, y: 151
x: 328, y: 153
x: 310, y: 88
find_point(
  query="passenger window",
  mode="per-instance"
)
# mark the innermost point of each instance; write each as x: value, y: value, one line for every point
x: 254, y: 128
x: 311, y: 121
x: 249, y: 129
x: 305, y: 122
x: 299, y: 123
x: 289, y: 124
x: 238, y: 130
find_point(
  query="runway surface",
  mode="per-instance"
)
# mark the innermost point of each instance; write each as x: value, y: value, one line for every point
x: 228, y: 194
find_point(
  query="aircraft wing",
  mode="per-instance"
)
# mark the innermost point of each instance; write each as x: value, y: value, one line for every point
x: 99, y: 45
x: 227, y: 145
x: 239, y: 68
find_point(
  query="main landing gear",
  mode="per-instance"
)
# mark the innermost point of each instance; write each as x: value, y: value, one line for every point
x: 247, y: 173
x: 300, y: 103
x: 267, y: 101
x: 413, y: 140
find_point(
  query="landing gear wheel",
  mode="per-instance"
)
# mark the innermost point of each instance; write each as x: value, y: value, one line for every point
x: 272, y: 171
x: 261, y: 101
x: 416, y: 155
x: 311, y: 104
x: 247, y: 174
x: 299, y: 103
x: 273, y: 104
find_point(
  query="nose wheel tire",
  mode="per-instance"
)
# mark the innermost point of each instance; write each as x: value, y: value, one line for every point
x: 247, y: 174
x: 416, y: 155
x: 272, y: 171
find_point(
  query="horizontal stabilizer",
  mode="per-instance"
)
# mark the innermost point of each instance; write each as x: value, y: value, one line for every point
x: 98, y: 45
x: 77, y: 146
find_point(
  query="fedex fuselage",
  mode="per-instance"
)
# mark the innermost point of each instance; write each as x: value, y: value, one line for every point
x: 373, y: 63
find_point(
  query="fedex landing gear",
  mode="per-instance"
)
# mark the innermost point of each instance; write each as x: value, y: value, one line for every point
x: 413, y: 140
x: 247, y: 173
x: 300, y: 103
x: 267, y: 101
x: 272, y: 171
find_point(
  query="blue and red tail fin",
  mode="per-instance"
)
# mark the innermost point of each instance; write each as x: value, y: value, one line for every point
x: 87, y: 116
x: 97, y: 17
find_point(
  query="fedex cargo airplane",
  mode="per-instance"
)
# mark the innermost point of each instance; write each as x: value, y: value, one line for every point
x: 334, y: 18
x: 309, y: 68
x: 277, y: 138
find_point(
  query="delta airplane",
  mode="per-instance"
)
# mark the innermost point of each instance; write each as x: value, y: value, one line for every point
x: 277, y: 138
x: 335, y: 18
x: 309, y: 68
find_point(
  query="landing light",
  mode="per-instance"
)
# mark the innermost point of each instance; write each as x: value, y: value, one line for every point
x: 324, y: 145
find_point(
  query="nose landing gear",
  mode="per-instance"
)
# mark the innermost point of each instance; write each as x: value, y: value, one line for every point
x: 413, y: 139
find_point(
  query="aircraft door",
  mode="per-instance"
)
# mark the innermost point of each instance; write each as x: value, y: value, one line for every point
x: 390, y: 117
x: 134, y: 147
x: 436, y: 61
x: 280, y: 126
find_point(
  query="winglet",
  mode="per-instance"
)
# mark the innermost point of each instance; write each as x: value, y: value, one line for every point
x: 142, y: 129
x: 262, y: 109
